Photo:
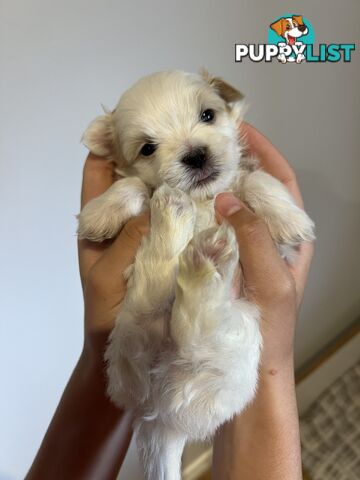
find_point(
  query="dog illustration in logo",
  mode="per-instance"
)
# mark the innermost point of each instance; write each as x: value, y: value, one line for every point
x: 290, y: 28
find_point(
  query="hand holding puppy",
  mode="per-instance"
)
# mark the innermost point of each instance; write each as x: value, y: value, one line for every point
x: 102, y: 265
x: 275, y: 286
x: 268, y: 430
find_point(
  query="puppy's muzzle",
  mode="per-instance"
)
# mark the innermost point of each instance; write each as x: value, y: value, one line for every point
x: 196, y: 159
x: 302, y: 28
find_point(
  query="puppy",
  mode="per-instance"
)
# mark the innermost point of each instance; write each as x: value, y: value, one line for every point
x: 183, y: 354
x: 291, y: 29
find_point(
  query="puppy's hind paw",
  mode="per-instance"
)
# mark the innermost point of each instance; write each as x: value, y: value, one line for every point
x: 212, y: 252
x: 127, y: 365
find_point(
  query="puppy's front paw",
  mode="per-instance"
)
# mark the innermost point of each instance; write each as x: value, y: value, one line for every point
x: 289, y: 228
x: 271, y: 201
x: 172, y: 220
x: 293, y: 228
x: 103, y: 216
x: 98, y: 221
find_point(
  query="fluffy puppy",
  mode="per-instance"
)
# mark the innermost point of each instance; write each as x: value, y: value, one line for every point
x: 184, y: 353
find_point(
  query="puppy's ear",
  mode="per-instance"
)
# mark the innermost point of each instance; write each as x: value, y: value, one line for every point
x: 226, y: 91
x: 99, y: 137
x: 299, y: 19
x: 279, y: 27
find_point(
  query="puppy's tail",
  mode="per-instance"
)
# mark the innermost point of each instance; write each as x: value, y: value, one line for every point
x: 160, y: 450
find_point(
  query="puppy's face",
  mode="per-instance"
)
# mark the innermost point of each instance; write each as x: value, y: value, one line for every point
x: 177, y: 128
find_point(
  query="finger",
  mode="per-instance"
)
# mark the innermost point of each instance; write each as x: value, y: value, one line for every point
x: 259, y: 257
x: 271, y: 159
x: 98, y: 176
x: 300, y: 269
x: 88, y: 254
x: 121, y: 254
x: 105, y: 286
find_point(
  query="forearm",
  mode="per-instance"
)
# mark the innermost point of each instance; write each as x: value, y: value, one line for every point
x: 88, y: 436
x: 264, y: 442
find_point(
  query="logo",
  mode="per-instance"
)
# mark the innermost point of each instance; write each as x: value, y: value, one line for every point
x: 291, y: 39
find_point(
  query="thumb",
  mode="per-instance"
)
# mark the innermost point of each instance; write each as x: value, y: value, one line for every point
x: 264, y: 270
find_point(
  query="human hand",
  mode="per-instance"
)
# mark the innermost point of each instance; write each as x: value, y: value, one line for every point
x: 102, y: 265
x: 268, y: 429
x: 102, y: 431
x: 271, y: 283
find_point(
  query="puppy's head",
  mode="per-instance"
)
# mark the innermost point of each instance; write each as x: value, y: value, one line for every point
x: 174, y: 127
x: 290, y: 28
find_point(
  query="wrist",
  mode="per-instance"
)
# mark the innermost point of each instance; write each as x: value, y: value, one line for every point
x: 277, y: 355
x: 268, y: 429
x: 95, y: 342
x: 102, y: 432
x: 279, y: 367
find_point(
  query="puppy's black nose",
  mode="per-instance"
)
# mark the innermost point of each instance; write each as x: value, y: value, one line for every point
x: 302, y: 28
x: 196, y: 158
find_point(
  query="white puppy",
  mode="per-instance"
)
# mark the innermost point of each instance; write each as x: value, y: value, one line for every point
x: 183, y: 353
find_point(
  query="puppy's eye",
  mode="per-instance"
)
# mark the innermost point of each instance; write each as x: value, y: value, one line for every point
x: 148, y: 149
x: 207, y: 116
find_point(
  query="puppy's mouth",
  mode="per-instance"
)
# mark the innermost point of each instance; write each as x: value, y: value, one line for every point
x: 291, y: 40
x: 204, y: 177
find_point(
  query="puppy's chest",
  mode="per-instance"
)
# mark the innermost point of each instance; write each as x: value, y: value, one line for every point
x: 205, y: 215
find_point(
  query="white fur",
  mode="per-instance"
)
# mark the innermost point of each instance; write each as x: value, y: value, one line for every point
x: 183, y: 355
x: 104, y: 216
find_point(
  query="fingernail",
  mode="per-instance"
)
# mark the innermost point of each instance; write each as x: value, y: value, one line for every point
x: 226, y: 204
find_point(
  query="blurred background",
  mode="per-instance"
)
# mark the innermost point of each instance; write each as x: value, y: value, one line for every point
x: 58, y: 62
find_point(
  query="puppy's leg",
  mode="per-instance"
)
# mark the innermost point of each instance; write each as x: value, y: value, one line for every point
x: 270, y: 199
x: 104, y: 216
x: 205, y: 272
x: 142, y: 320
x: 213, y: 374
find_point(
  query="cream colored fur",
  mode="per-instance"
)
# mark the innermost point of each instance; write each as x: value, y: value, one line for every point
x: 184, y: 353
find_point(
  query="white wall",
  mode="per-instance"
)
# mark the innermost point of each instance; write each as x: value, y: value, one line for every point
x: 58, y: 61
